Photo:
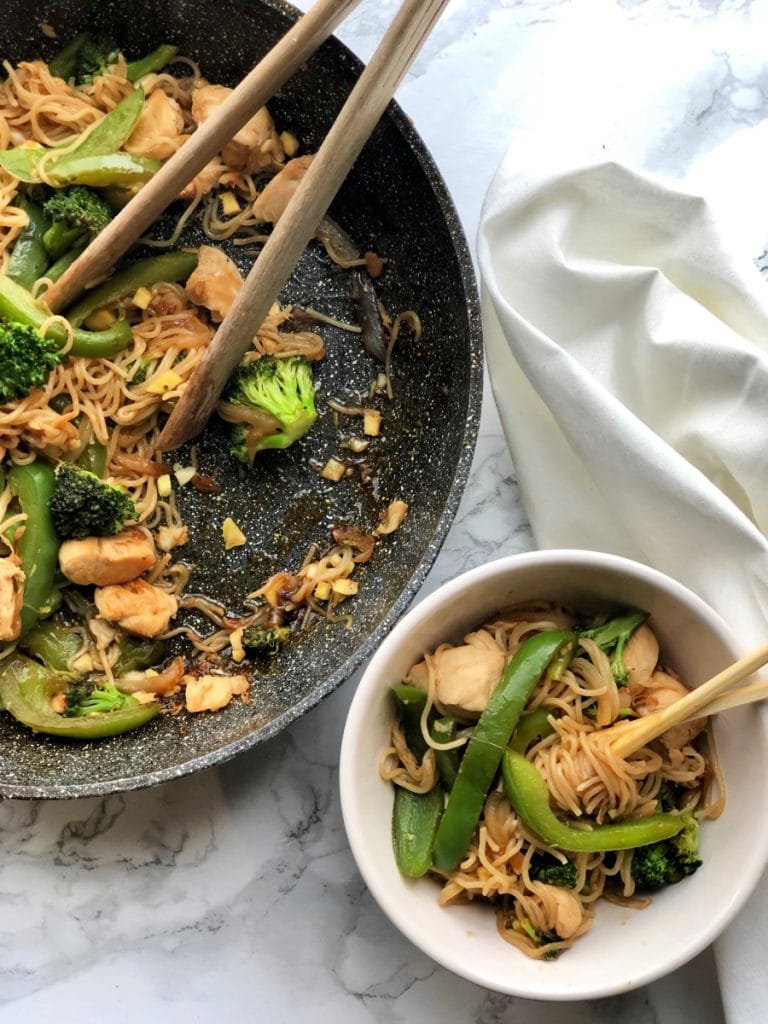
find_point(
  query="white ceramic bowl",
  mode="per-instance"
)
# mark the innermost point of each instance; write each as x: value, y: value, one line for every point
x: 625, y: 948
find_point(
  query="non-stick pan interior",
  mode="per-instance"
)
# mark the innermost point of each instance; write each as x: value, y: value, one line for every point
x: 394, y: 202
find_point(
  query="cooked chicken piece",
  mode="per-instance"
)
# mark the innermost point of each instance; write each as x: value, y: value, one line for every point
x: 205, y: 181
x: 211, y: 693
x: 256, y: 147
x: 158, y: 131
x: 215, y: 282
x: 563, y: 910
x: 105, y: 560
x: 640, y: 657
x: 11, y: 596
x: 269, y: 206
x: 465, y: 676
x: 661, y: 691
x: 137, y: 607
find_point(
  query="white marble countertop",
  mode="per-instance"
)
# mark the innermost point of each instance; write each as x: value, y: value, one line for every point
x: 232, y: 894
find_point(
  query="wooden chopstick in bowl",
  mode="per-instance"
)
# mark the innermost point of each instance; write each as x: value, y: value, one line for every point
x: 258, y: 86
x: 333, y: 161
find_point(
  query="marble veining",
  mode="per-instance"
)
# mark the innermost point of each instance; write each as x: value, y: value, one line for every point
x: 232, y: 893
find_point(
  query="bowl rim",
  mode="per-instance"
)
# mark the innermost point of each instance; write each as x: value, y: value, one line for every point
x: 725, y: 911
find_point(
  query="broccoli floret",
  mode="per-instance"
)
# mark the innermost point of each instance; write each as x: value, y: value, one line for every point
x: 265, y: 643
x: 551, y: 871
x: 670, y: 861
x: 541, y: 938
x: 78, y: 214
x: 94, y: 58
x: 84, y: 698
x: 614, y: 636
x: 282, y: 388
x: 26, y: 358
x: 84, y: 506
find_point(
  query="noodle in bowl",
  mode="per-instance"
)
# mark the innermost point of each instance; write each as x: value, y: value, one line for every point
x: 625, y: 948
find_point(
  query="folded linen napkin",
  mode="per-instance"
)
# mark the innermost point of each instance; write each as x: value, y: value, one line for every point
x: 627, y: 347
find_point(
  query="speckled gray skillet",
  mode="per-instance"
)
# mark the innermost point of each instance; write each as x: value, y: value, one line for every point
x: 394, y: 202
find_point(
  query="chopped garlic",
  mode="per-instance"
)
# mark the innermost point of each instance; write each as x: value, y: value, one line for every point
x: 169, y: 537
x: 345, y: 587
x: 184, y: 474
x: 232, y: 534
x: 392, y: 518
x: 142, y: 298
x: 323, y: 590
x: 333, y: 470
x: 100, y: 320
x: 167, y: 381
x: 236, y: 642
x: 164, y: 487
x: 144, y: 696
x: 83, y: 664
x: 289, y: 143
x: 229, y: 204
x: 372, y: 422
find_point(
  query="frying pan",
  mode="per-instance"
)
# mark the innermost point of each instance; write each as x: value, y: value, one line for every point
x: 395, y: 203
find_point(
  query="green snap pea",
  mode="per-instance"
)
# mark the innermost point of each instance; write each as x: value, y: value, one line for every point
x: 121, y: 169
x: 38, y: 545
x: 26, y: 689
x: 63, y: 263
x: 19, y: 306
x: 481, y: 760
x: 30, y: 256
x: 153, y: 62
x: 443, y: 730
x: 415, y: 819
x: 170, y: 267
x: 111, y: 132
x: 528, y: 793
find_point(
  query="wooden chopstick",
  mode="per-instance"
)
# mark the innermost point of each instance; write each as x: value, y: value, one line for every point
x: 734, y: 699
x: 631, y: 736
x: 341, y: 147
x: 258, y: 86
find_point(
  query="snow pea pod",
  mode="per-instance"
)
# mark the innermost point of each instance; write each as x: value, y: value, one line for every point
x: 155, y: 61
x: 54, y: 272
x: 415, y: 818
x: 30, y: 257
x: 38, y: 545
x: 19, y: 306
x: 486, y: 747
x: 528, y: 793
x: 122, y: 169
x: 169, y: 267
x: 26, y: 689
x: 111, y: 132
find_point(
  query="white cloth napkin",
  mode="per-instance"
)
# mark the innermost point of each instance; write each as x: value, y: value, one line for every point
x: 627, y: 345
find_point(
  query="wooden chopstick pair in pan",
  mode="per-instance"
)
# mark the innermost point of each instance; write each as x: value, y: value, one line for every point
x: 333, y: 161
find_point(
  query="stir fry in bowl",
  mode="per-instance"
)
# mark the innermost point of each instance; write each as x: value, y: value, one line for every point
x: 508, y: 790
x: 99, y: 621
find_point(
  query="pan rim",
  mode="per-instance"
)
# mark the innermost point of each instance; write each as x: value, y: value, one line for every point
x: 464, y: 261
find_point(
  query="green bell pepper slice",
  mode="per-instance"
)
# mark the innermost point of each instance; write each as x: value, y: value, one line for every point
x: 528, y: 793
x: 53, y: 644
x: 19, y: 306
x: 38, y: 545
x: 64, y: 64
x: 26, y: 689
x: 485, y: 749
